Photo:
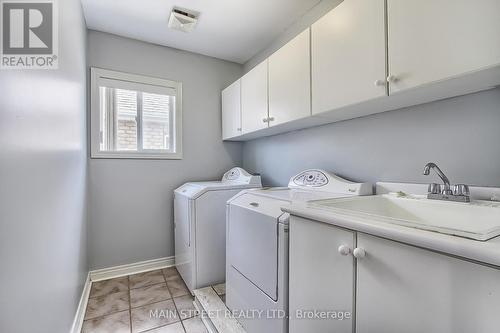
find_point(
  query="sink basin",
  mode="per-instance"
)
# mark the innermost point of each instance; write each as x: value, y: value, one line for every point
x: 478, y: 220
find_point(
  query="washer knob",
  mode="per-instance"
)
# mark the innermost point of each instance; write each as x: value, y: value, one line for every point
x: 359, y: 253
x: 344, y: 250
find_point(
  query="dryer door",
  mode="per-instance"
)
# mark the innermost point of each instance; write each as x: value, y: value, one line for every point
x: 252, y: 248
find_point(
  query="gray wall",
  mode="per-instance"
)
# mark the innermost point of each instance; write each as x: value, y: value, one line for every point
x: 131, y: 200
x: 460, y: 134
x: 42, y: 187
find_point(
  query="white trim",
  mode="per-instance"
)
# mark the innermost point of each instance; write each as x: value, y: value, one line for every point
x: 138, y: 155
x: 82, y: 306
x: 134, y: 268
x: 98, y: 74
x: 136, y: 85
x: 113, y: 272
x: 128, y: 77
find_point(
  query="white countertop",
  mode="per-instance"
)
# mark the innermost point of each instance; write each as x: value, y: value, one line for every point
x: 487, y: 252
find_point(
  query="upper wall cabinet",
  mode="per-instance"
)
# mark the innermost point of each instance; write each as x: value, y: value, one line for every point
x: 231, y: 111
x: 434, y: 40
x: 349, y: 55
x: 371, y: 56
x: 254, y: 99
x: 290, y: 81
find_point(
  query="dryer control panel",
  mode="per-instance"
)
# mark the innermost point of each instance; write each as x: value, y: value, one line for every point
x: 315, y: 179
x: 241, y: 176
x: 233, y: 174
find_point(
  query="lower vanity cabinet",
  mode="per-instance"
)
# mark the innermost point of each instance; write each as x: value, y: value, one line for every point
x: 320, y: 278
x: 402, y: 288
x: 396, y: 288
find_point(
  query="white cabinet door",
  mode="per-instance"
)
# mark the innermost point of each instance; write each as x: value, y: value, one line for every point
x: 321, y: 279
x: 290, y: 81
x: 401, y: 288
x: 349, y: 55
x: 231, y: 111
x: 254, y: 99
x: 431, y: 40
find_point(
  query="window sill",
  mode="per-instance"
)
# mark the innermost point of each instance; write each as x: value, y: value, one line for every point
x: 136, y: 156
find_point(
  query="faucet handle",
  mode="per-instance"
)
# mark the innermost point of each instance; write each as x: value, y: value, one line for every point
x: 461, y: 189
x: 447, y: 190
x: 434, y: 188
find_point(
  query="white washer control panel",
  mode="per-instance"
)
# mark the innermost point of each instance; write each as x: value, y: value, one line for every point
x: 314, y: 178
x: 232, y: 174
x: 239, y: 175
x: 321, y: 180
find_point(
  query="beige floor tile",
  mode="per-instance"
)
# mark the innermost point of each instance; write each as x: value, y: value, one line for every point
x: 194, y: 325
x: 149, y: 294
x: 171, y: 273
x: 185, y: 306
x: 114, y: 323
x: 103, y: 305
x: 106, y: 287
x: 153, y: 316
x: 146, y: 279
x: 172, y: 328
x: 177, y: 287
x: 220, y: 289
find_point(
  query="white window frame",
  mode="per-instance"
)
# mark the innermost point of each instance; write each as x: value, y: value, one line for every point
x: 156, y: 85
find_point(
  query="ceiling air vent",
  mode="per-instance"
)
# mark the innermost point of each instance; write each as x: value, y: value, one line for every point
x: 182, y: 19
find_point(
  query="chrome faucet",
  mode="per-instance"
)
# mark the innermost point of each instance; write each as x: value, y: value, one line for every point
x: 446, y: 181
x: 460, y: 192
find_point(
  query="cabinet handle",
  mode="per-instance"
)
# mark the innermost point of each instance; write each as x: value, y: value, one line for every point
x: 344, y: 250
x: 265, y: 120
x: 392, y: 79
x: 239, y: 129
x: 380, y: 83
x: 359, y: 253
x: 270, y: 119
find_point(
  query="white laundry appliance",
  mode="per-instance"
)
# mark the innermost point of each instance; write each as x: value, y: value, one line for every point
x: 200, y: 226
x: 257, y: 246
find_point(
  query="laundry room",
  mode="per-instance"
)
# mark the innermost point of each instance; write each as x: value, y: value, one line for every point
x: 281, y: 166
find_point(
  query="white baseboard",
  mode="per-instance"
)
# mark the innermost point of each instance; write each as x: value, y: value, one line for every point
x: 110, y: 273
x: 82, y: 306
x: 134, y: 268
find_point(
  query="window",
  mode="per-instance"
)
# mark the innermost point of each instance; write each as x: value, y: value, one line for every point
x: 134, y: 116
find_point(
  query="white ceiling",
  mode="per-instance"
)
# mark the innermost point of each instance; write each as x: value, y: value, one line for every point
x: 233, y: 30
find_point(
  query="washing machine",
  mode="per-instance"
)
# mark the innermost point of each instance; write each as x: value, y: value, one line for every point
x: 257, y: 246
x: 200, y: 226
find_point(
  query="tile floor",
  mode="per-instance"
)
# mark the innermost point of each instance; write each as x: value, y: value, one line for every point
x: 154, y: 302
